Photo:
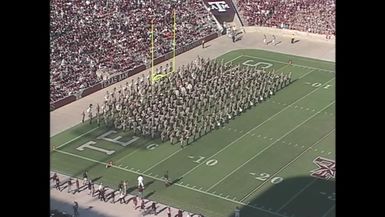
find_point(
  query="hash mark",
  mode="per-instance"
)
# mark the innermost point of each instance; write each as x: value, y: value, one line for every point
x: 181, y: 183
x: 329, y: 152
x: 323, y: 193
x: 264, y: 137
x: 303, y: 146
x: 271, y: 138
x: 315, y: 149
x: 253, y: 134
x: 322, y: 151
x: 214, y: 192
x: 220, y: 194
x: 283, y: 142
x: 295, y: 145
x: 191, y: 157
x: 253, y: 174
x: 125, y: 167
x: 186, y: 185
x: 193, y: 186
x: 259, y: 135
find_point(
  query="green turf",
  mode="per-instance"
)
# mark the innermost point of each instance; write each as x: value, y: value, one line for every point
x: 261, y: 161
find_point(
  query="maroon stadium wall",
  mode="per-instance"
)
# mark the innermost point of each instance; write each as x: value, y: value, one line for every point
x: 129, y: 73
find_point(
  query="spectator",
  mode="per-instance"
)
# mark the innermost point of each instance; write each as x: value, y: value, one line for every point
x: 89, y: 37
x: 314, y: 16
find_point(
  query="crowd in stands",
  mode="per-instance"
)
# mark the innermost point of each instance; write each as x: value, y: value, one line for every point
x: 313, y: 16
x: 92, y: 36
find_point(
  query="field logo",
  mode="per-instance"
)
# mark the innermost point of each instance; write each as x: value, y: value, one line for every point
x: 220, y: 6
x: 326, y: 168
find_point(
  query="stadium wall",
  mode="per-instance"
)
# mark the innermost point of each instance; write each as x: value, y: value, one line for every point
x: 289, y: 33
x: 121, y: 76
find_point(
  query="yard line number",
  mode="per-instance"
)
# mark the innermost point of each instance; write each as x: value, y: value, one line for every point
x: 210, y: 162
x: 266, y: 176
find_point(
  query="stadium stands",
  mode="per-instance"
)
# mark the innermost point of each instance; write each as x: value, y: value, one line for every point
x: 314, y: 16
x: 93, y: 40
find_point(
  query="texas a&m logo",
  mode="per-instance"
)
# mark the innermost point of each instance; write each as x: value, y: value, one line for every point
x: 219, y: 5
x: 326, y: 168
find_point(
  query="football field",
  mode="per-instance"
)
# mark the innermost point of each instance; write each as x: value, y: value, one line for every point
x: 276, y: 159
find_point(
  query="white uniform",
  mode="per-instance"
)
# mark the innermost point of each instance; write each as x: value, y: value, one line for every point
x: 140, y: 181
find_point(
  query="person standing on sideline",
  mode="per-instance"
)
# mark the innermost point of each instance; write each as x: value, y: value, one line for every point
x: 77, y: 190
x: 180, y: 213
x: 83, y: 116
x: 264, y: 39
x: 237, y: 212
x: 57, y: 183
x: 85, y: 177
x: 153, y: 208
x: 168, y: 212
x: 142, y: 206
x: 69, y: 185
x: 203, y: 43
x: 135, y: 200
x: 233, y: 37
x: 140, y: 181
x: 166, y: 180
x: 76, y: 207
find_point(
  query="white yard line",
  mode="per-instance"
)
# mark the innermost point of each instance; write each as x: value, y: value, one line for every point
x: 176, y: 152
x: 327, y: 212
x: 77, y: 137
x: 296, y: 195
x: 234, y: 59
x: 245, y: 134
x: 267, y: 147
x: 177, y: 184
x: 284, y: 167
x: 267, y: 59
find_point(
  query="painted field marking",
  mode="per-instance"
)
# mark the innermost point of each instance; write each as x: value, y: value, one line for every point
x: 327, y: 212
x: 245, y: 134
x: 78, y: 137
x: 177, y: 184
x: 296, y: 195
x: 267, y: 147
x: 297, y: 65
x: 288, y: 164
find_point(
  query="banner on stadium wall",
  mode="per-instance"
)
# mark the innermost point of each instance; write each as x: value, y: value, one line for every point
x: 223, y: 10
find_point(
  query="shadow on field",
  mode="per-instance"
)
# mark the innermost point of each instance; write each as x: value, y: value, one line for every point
x: 299, y: 197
